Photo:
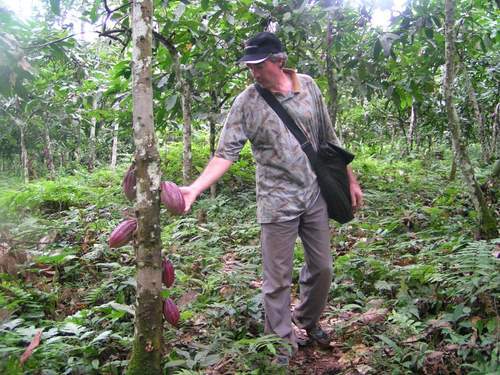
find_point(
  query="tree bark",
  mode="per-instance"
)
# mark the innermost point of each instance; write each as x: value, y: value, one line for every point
x: 212, y: 123
x: 49, y: 156
x: 413, y: 126
x: 93, y: 125
x: 187, y: 156
x: 453, y: 170
x: 483, y: 138
x: 213, y: 188
x: 146, y: 355
x: 114, y: 148
x: 77, y: 154
x: 487, y: 222
x: 24, y: 155
x: 495, y: 132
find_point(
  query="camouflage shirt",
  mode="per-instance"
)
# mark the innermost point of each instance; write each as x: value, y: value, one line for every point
x: 286, y: 183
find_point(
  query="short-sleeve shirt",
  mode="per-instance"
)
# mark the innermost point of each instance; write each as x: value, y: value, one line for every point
x: 285, y: 182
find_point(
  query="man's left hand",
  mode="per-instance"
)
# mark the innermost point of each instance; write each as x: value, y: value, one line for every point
x: 356, y: 195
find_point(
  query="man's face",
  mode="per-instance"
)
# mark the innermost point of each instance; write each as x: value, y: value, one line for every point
x: 266, y: 72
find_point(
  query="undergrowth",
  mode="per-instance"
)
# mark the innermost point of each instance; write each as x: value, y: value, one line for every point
x: 413, y: 291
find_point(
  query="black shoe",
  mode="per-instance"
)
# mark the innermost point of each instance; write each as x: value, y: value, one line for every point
x: 281, y: 360
x: 302, y: 342
x: 319, y: 336
x: 315, y: 334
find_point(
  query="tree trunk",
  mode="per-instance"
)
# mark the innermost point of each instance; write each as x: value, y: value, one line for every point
x: 487, y: 222
x: 332, y: 82
x: 187, y: 157
x: 212, y: 123
x: 453, y: 170
x: 24, y: 155
x: 483, y: 137
x: 114, y: 148
x: 413, y: 126
x: 49, y: 156
x: 495, y: 132
x: 77, y: 153
x: 146, y: 355
x: 186, y: 108
x: 93, y: 125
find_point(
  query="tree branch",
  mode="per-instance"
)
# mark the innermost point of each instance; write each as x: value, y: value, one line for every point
x: 52, y: 42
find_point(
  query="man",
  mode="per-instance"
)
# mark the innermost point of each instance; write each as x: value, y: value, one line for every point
x: 289, y: 202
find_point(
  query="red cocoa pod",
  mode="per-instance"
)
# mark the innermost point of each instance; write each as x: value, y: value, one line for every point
x: 172, y: 197
x: 167, y: 272
x: 123, y: 233
x: 171, y: 312
x: 129, y: 182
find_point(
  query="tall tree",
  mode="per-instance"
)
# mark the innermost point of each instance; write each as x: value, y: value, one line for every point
x: 146, y: 356
x: 487, y: 222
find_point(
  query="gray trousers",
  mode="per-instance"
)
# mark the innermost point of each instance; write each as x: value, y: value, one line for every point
x: 277, y: 245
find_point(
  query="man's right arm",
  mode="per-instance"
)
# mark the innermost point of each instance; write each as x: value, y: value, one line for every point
x: 214, y: 170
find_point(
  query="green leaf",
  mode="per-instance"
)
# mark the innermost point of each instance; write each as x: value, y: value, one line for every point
x: 179, y: 11
x: 102, y: 336
x: 170, y: 102
x: 176, y: 363
x: 386, y: 40
x: 389, y: 342
x: 271, y: 348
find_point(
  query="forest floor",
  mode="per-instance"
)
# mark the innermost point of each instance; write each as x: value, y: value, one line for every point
x: 414, y: 291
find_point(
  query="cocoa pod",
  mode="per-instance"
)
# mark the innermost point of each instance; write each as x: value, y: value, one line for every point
x: 171, y: 196
x: 129, y: 182
x: 123, y: 233
x: 171, y: 312
x: 167, y: 272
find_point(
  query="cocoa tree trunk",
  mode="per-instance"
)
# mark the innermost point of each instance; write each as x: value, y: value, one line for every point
x: 114, y: 148
x: 211, y: 120
x: 49, y: 156
x: 483, y: 138
x: 495, y: 132
x: 212, y: 123
x: 77, y: 153
x: 487, y: 222
x: 24, y: 152
x: 453, y: 170
x: 24, y: 155
x: 187, y: 157
x: 185, y: 89
x: 413, y: 127
x: 146, y: 355
x: 92, y: 147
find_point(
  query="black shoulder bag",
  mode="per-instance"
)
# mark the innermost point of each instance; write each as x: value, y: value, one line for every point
x: 329, y: 163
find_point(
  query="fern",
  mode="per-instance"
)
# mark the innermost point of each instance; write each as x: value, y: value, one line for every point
x: 473, y: 270
x: 95, y: 295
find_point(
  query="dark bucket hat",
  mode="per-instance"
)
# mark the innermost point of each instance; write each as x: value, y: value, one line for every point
x: 260, y: 47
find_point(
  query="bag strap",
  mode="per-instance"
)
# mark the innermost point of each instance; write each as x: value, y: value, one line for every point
x: 289, y: 122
